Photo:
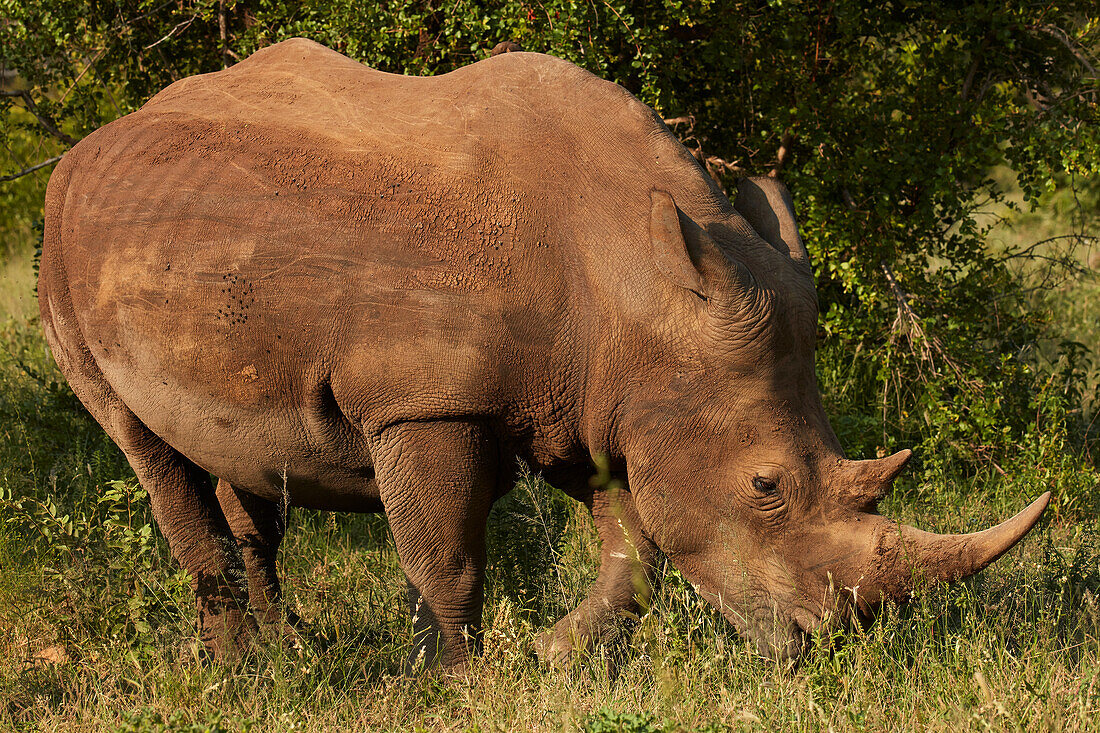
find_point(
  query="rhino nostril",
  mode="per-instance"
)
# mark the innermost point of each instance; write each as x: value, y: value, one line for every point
x: 797, y: 646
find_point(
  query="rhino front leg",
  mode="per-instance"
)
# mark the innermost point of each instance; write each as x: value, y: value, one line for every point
x: 436, y: 481
x: 259, y: 525
x: 623, y: 588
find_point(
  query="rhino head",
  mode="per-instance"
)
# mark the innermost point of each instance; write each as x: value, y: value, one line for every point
x: 735, y: 471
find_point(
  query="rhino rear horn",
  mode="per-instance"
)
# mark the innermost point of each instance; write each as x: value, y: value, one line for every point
x: 687, y: 255
x: 864, y: 483
x: 766, y: 204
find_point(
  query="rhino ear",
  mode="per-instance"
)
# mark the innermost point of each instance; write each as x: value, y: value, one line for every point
x: 766, y: 204
x: 686, y: 254
x: 670, y: 251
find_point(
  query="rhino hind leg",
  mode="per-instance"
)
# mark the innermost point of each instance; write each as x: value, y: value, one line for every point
x: 622, y: 590
x: 437, y: 482
x: 188, y: 514
x: 258, y: 525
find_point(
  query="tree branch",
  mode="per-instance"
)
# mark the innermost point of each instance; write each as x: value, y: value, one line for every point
x: 181, y: 26
x: 712, y: 164
x: 31, y: 169
x: 222, y: 35
x: 43, y: 121
x: 87, y: 68
x: 907, y: 322
x: 782, y: 155
x: 153, y: 11
x: 968, y: 82
x: 1060, y: 34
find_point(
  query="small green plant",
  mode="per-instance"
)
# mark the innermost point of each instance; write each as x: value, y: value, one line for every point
x: 102, y: 555
x: 181, y: 721
x: 610, y: 721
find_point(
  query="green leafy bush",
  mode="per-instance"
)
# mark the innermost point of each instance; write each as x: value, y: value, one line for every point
x: 103, y: 555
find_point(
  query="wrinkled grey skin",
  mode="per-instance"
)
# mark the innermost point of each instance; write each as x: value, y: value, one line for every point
x: 337, y: 288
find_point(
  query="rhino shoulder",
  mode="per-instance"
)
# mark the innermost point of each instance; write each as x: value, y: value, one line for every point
x: 294, y: 50
x: 561, y: 84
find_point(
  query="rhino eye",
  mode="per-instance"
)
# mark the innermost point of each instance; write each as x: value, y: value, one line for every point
x: 764, y: 485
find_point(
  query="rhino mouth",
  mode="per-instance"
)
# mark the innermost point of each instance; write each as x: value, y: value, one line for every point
x: 783, y: 632
x: 778, y: 637
x: 788, y: 638
x: 786, y: 648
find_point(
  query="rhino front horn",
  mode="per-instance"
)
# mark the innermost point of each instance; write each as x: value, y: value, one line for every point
x: 906, y: 553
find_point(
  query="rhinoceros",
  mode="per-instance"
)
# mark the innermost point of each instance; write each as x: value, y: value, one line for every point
x: 337, y: 288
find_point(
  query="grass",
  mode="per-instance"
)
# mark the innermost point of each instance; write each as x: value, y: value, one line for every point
x: 93, y: 614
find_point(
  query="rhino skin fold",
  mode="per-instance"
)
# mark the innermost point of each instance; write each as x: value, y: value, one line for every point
x: 337, y: 288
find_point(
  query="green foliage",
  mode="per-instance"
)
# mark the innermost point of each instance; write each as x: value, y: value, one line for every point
x: 70, y: 503
x: 111, y: 541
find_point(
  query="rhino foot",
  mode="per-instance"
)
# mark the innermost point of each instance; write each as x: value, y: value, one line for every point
x: 594, y: 629
x: 622, y: 590
x: 238, y: 638
x: 227, y: 637
x: 288, y: 630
